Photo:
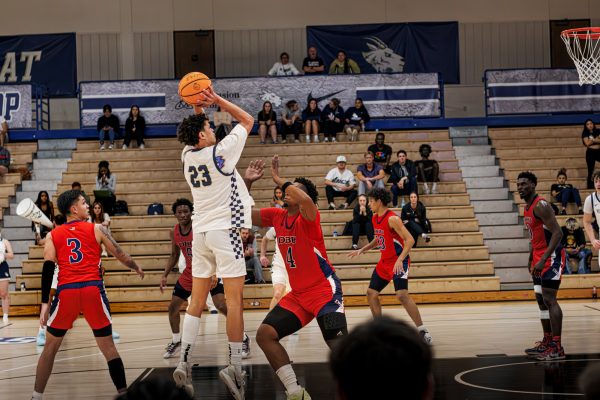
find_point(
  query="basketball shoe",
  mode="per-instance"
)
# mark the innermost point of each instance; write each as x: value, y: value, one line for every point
x: 235, y: 382
x: 539, y: 347
x: 552, y: 353
x: 41, y: 337
x: 426, y: 337
x: 183, y: 378
x: 299, y: 395
x: 171, y: 349
x: 246, y: 346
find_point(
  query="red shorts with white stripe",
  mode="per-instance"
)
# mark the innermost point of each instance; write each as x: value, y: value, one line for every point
x: 72, y: 299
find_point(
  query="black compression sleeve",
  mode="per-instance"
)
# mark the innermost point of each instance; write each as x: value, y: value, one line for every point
x: 47, y: 274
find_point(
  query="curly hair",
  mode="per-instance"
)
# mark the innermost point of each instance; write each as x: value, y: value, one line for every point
x: 182, y: 202
x: 310, y: 188
x: 187, y: 131
x: 529, y: 176
x: 380, y: 194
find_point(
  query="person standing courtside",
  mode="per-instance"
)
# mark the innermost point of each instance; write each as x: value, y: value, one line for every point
x: 547, y: 262
x: 591, y: 210
x: 75, y: 247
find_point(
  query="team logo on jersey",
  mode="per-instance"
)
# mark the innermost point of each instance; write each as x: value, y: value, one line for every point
x: 220, y: 162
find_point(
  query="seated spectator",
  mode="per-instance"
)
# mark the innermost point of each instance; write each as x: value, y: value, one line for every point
x: 356, y: 118
x: 369, y: 175
x: 564, y: 192
x: 251, y: 256
x: 374, y: 352
x: 573, y: 240
x: 107, y: 124
x: 291, y: 121
x: 77, y: 186
x: 135, y: 126
x: 267, y: 123
x: 403, y: 178
x: 45, y: 205
x: 313, y: 64
x: 284, y: 67
x: 343, y: 65
x: 222, y: 118
x: 98, y: 216
x: 311, y: 116
x: 277, y: 200
x: 381, y: 151
x: 332, y: 117
x: 340, y: 182
x: 3, y: 131
x: 362, y: 223
x: 590, y: 136
x: 414, y: 217
x: 428, y: 171
x: 106, y: 184
x: 4, y: 161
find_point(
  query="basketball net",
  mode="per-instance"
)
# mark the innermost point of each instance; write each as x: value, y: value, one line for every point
x: 583, y: 46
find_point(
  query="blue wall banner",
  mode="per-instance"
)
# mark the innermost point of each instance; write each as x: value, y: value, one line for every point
x: 384, y: 95
x: 406, y: 47
x: 15, y: 105
x: 539, y: 91
x: 48, y: 60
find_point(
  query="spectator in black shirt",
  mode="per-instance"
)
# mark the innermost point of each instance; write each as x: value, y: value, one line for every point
x: 108, y: 123
x: 403, y: 177
x: 381, y: 151
x: 356, y: 118
x: 590, y: 139
x: 267, y: 123
x: 427, y: 170
x: 313, y: 64
x: 4, y: 160
x: 135, y: 126
x: 311, y: 116
x: 362, y: 221
x: 414, y: 217
x: 564, y: 192
x: 333, y: 119
x: 573, y: 240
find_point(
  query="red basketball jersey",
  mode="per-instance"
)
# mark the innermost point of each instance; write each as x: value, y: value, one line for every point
x: 389, y: 243
x: 302, y: 247
x: 184, y: 242
x: 77, y: 252
x: 539, y: 235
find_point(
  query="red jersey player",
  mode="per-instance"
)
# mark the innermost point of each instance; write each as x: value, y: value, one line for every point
x: 547, y: 261
x: 316, y: 290
x: 75, y: 247
x: 394, y: 242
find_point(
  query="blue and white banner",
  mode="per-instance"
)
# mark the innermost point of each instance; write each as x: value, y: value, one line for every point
x: 418, y: 47
x: 539, y: 91
x: 47, y: 60
x: 384, y: 95
x: 15, y: 105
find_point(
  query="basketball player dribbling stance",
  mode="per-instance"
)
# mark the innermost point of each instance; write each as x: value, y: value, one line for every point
x: 76, y: 247
x: 316, y: 290
x: 547, y: 262
x: 394, y: 242
x: 222, y: 206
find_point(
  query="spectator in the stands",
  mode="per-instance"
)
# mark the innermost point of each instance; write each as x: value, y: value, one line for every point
x: 6, y: 253
x: 343, y: 65
x: 362, y: 221
x: 564, y: 192
x: 277, y: 200
x: 108, y: 124
x: 45, y: 205
x: 98, y: 216
x: 284, y: 67
x: 573, y: 240
x: 428, y: 170
x: 221, y: 117
x: 267, y: 123
x: 3, y: 131
x: 591, y: 140
x: 340, y: 182
x: 381, y: 151
x: 251, y: 256
x: 4, y: 161
x: 403, y: 177
x: 333, y: 119
x: 311, y: 116
x: 135, y: 126
x: 291, y: 121
x: 77, y: 186
x: 356, y: 118
x: 106, y: 185
x: 313, y: 64
x: 414, y: 217
x: 369, y: 175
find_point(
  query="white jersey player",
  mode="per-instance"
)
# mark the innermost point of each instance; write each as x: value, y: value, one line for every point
x: 279, y: 276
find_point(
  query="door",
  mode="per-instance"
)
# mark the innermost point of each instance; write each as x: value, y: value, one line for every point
x: 558, y: 51
x: 194, y: 51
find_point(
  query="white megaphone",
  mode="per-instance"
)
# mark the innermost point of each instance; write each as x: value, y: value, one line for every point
x: 28, y: 209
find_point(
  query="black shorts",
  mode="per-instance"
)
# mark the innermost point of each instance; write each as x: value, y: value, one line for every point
x: 4, y: 271
x: 546, y: 283
x: 180, y: 291
x: 378, y: 283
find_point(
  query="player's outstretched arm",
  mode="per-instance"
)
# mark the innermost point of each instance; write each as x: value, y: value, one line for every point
x: 173, y: 259
x: 113, y: 248
x: 367, y: 247
x: 254, y: 172
x: 264, y: 261
x: 544, y: 211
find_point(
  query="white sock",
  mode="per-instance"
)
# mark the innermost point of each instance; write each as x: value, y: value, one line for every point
x: 176, y: 337
x: 36, y: 395
x: 422, y: 328
x: 191, y: 326
x: 287, y: 376
x: 235, y: 355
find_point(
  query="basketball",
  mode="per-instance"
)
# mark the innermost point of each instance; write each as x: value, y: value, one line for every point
x: 191, y: 85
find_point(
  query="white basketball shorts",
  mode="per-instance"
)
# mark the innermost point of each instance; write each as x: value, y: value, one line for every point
x: 218, y: 252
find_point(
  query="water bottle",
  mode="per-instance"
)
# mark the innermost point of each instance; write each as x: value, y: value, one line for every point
x: 594, y: 293
x: 23, y: 288
x: 335, y: 233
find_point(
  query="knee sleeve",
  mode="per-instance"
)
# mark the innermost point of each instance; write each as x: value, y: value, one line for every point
x: 103, y: 332
x: 283, y: 321
x: 333, y: 325
x: 117, y: 373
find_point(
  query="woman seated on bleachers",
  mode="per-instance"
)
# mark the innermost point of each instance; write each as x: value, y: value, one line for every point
x: 267, y: 123
x: 414, y: 217
x: 362, y: 221
x: 106, y: 183
x: 564, y: 192
x: 311, y: 116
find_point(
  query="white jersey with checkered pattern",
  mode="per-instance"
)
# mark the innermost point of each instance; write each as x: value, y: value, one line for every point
x: 221, y: 199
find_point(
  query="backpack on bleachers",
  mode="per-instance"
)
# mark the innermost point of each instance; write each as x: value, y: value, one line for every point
x: 156, y: 209
x: 121, y: 208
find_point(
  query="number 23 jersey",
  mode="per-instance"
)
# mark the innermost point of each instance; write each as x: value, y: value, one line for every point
x: 221, y: 199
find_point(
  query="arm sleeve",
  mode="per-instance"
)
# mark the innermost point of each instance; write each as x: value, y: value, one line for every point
x: 231, y: 147
x: 47, y: 277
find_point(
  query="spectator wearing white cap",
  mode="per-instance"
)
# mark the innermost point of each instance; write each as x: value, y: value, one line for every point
x: 340, y: 182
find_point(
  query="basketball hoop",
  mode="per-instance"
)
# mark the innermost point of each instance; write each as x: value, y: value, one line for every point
x: 583, y: 46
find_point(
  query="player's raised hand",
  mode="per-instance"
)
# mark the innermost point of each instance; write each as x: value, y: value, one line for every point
x: 255, y: 170
x: 208, y: 97
x: 275, y: 168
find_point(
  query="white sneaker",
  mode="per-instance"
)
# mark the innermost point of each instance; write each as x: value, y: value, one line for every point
x: 110, y: 146
x: 5, y: 320
x: 171, y: 349
x: 307, y: 138
x: 425, y: 188
x: 41, y: 337
x: 426, y: 336
x: 246, y: 347
x: 183, y: 378
x: 316, y: 138
x: 284, y: 141
x: 234, y: 382
x: 142, y: 147
x: 434, y: 188
x: 296, y: 141
x: 333, y: 140
x: 102, y: 146
x: 326, y: 140
x: 124, y: 147
x: 116, y: 335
